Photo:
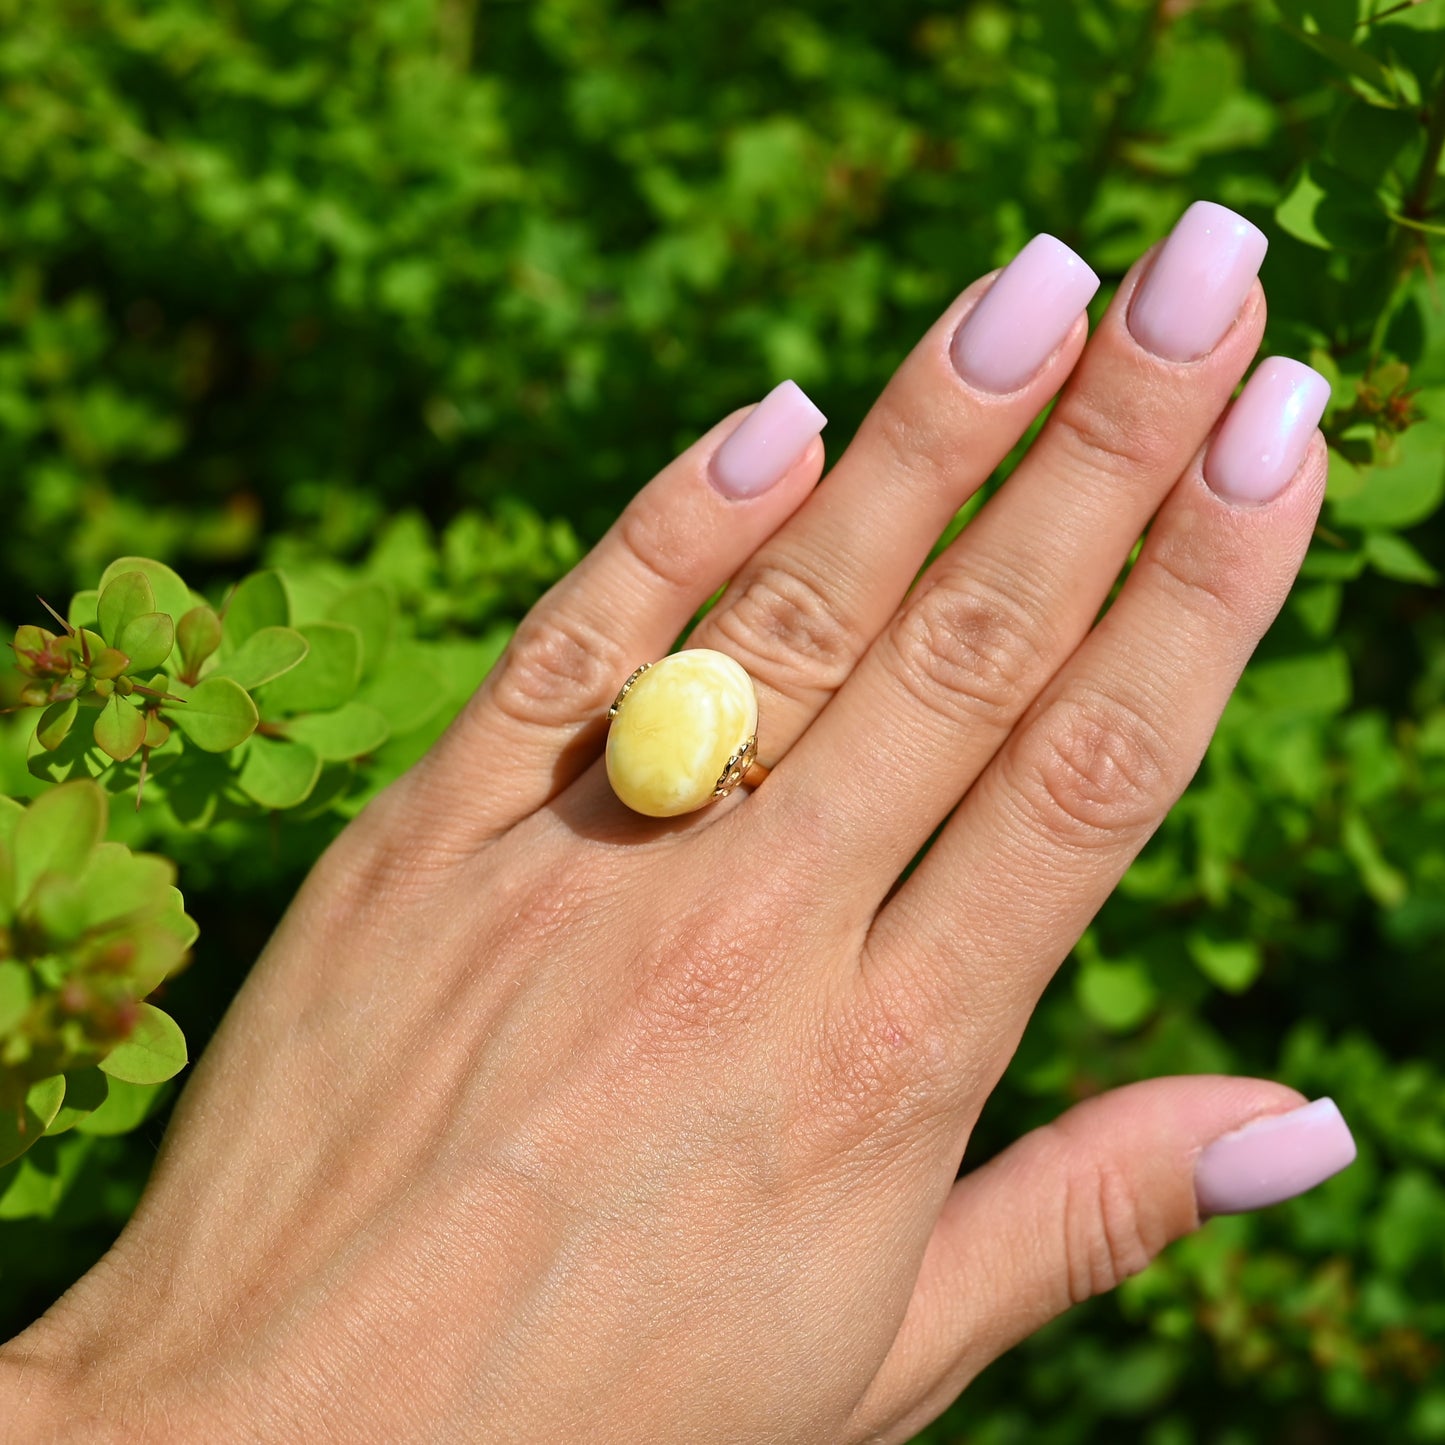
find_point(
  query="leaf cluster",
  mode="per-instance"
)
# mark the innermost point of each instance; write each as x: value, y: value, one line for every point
x: 87, y: 929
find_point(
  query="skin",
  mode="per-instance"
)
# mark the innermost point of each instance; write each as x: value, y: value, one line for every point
x: 537, y: 1116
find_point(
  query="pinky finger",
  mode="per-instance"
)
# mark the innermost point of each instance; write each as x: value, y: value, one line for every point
x: 1076, y: 1207
x: 536, y: 722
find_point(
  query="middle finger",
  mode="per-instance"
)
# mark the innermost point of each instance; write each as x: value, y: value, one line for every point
x: 816, y: 594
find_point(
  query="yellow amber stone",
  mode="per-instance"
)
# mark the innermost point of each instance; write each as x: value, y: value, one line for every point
x: 675, y: 730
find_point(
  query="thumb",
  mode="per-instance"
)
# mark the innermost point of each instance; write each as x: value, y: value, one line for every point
x: 1075, y: 1207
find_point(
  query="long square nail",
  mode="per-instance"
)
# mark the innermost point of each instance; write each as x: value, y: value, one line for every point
x: 1267, y: 432
x: 1197, y: 283
x: 1023, y: 316
x: 1273, y: 1159
x: 767, y: 442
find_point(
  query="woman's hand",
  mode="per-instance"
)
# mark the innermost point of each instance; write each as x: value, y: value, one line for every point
x: 538, y: 1116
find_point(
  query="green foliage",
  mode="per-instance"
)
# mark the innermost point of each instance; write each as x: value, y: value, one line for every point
x: 283, y: 283
x: 87, y: 929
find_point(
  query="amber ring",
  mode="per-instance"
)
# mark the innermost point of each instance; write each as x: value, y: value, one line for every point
x: 684, y: 732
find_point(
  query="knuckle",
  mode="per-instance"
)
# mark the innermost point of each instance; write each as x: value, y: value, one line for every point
x: 556, y: 669
x: 969, y: 650
x: 1094, y: 771
x: 916, y: 443
x: 1107, y: 438
x: 1107, y: 1234
x: 880, y: 1068
x: 1198, y: 578
x: 788, y: 627
x: 699, y: 988
x: 659, y: 542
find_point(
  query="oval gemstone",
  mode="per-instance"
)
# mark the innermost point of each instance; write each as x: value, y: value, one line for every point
x: 675, y: 730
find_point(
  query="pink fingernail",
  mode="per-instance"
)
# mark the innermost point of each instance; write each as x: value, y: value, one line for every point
x: 1267, y: 432
x: 1023, y: 317
x: 1197, y: 283
x: 1273, y: 1159
x: 766, y: 444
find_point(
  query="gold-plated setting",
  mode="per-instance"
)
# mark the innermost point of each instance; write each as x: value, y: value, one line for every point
x: 737, y: 767
x: 626, y: 688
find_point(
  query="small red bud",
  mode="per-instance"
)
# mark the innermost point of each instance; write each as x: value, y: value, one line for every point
x: 74, y: 997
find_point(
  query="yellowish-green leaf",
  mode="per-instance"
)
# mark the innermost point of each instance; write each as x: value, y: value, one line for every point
x: 125, y: 597
x: 216, y: 715
x: 147, y: 640
x: 154, y: 1052
x: 22, y: 1125
x: 57, y: 832
x: 120, y: 729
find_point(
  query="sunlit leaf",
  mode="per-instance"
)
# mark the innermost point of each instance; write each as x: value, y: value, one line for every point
x: 154, y: 1051
x: 216, y: 714
x: 57, y: 832
x: 124, y: 598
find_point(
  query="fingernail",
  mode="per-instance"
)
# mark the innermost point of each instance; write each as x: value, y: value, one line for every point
x: 1023, y: 316
x: 767, y: 443
x: 1267, y: 432
x: 1197, y: 283
x: 1273, y: 1159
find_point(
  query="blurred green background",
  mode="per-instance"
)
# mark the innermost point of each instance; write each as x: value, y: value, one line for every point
x: 430, y: 286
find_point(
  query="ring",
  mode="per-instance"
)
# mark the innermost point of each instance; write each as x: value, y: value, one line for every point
x: 684, y: 732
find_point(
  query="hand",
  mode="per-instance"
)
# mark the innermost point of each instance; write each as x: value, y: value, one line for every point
x: 539, y: 1116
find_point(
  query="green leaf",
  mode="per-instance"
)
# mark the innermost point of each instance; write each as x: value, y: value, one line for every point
x: 216, y: 715
x: 370, y: 608
x: 121, y: 727
x: 1402, y: 492
x: 1376, y: 77
x: 7, y: 885
x: 108, y: 663
x: 1117, y: 996
x: 258, y: 601
x: 1393, y: 556
x: 126, y: 1105
x: 194, y: 784
x: 265, y: 655
x: 1312, y: 683
x: 198, y: 635
x: 172, y: 595
x: 16, y: 993
x: 154, y: 1052
x: 349, y: 731
x: 326, y: 678
x: 118, y: 884
x: 158, y: 951
x: 175, y: 920
x: 1384, y: 882
x: 11, y: 813
x: 85, y: 1092
x: 22, y: 1127
x: 1326, y: 209
x: 123, y: 599
x: 407, y: 690
x: 55, y: 723
x: 147, y: 640
x: 76, y: 757
x: 1231, y: 963
x: 277, y: 773
x: 58, y: 832
x: 36, y: 1186
x: 84, y: 608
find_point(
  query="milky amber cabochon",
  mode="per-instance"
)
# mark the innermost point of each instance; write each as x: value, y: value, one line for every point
x: 676, y: 729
